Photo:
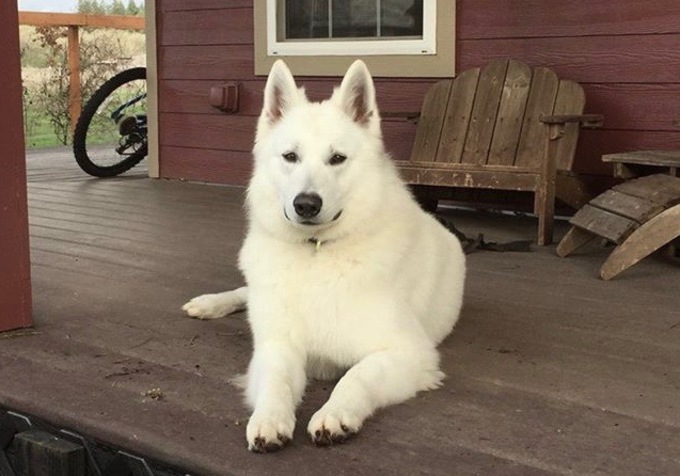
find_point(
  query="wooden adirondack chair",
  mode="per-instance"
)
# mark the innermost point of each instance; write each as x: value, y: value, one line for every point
x: 504, y: 127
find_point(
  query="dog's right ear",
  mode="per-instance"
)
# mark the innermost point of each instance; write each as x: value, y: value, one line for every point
x: 280, y: 93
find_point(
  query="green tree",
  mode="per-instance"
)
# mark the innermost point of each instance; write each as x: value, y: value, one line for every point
x: 111, y: 7
x: 97, y: 7
x: 117, y: 8
x: 132, y: 8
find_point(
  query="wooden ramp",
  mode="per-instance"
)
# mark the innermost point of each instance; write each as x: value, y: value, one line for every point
x: 639, y: 215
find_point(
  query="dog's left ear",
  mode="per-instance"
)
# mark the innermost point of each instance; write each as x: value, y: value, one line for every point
x: 357, y: 94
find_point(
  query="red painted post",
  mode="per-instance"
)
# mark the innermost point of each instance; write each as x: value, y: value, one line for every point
x: 15, y: 277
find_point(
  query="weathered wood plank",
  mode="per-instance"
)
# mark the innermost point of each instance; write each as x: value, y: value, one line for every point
x: 508, y: 124
x: 666, y: 158
x: 484, y: 112
x: 659, y: 188
x: 651, y: 236
x: 571, y: 99
x: 603, y: 223
x: 533, y: 141
x: 629, y: 206
x: 430, y: 122
x: 573, y: 189
x: 458, y: 114
x: 574, y: 239
x: 448, y: 177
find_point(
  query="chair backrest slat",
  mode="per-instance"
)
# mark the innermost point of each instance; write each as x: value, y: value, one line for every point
x: 458, y: 115
x: 484, y: 112
x: 430, y: 122
x: 571, y: 99
x: 541, y: 101
x: 510, y: 116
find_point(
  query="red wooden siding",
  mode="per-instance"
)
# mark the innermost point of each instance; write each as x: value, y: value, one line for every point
x: 626, y: 56
x: 15, y: 284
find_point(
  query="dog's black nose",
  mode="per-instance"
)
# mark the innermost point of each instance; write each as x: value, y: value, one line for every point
x: 307, y: 205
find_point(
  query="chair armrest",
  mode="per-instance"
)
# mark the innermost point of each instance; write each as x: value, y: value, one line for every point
x: 587, y: 121
x: 410, y: 116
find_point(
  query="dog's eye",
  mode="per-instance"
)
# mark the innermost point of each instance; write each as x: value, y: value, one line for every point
x: 290, y: 157
x: 337, y: 159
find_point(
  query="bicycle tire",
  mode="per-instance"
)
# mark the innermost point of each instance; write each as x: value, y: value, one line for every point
x: 80, y: 133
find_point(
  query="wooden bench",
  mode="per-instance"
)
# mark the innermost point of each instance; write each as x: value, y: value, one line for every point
x: 504, y: 127
x: 640, y: 216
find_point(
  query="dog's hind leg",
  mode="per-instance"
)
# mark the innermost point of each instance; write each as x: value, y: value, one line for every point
x: 212, y: 306
x: 382, y: 378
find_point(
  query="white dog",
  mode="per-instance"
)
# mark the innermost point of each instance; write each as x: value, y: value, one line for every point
x: 346, y: 275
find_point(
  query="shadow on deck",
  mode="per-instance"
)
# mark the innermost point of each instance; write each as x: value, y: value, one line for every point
x: 550, y: 370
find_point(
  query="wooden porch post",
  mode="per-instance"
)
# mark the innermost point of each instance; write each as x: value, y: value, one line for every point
x: 15, y: 281
x: 75, y: 101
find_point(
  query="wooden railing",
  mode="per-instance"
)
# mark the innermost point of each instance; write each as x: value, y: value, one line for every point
x: 73, y: 21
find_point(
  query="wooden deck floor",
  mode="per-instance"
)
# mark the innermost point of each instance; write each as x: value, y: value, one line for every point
x: 550, y: 371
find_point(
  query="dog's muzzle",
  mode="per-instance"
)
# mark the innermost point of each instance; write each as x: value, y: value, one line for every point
x: 307, y: 205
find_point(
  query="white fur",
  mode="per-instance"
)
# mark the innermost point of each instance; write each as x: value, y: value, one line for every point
x: 376, y: 294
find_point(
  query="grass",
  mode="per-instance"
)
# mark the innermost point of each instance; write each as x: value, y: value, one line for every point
x: 40, y: 133
x: 35, y: 58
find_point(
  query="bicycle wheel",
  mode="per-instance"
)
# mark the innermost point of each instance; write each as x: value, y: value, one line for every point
x: 111, y: 134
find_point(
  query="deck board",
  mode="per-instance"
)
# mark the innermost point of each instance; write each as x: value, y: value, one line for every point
x: 550, y: 370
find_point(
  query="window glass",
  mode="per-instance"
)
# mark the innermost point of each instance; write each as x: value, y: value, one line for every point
x: 365, y: 19
x: 306, y: 19
x: 355, y: 19
x: 401, y: 18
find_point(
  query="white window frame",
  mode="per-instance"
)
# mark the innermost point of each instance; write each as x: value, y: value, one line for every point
x: 388, y: 46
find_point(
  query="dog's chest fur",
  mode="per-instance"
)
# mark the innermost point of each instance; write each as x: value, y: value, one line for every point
x: 334, y: 295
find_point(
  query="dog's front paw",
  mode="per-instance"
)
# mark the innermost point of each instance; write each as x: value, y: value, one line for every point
x: 328, y: 427
x: 207, y: 306
x: 268, y: 434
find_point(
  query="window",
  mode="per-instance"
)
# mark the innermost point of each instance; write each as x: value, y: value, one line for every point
x: 332, y: 27
x: 404, y: 38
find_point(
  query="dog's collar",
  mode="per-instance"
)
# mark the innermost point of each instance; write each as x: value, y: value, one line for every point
x: 316, y: 242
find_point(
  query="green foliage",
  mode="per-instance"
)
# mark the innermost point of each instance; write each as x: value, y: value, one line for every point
x: 133, y: 9
x: 111, y: 7
x: 51, y: 94
x: 45, y: 68
x: 46, y: 98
